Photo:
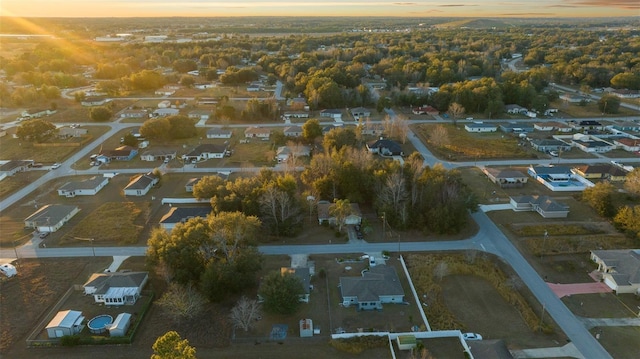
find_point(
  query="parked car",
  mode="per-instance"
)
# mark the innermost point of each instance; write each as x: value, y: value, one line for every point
x: 43, y: 234
x: 55, y: 166
x: 359, y: 235
x: 372, y: 261
x: 471, y: 336
x: 553, y: 153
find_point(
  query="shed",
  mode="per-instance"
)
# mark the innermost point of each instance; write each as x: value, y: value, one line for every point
x: 406, y: 342
x: 306, y: 328
x: 66, y: 322
x: 120, y: 326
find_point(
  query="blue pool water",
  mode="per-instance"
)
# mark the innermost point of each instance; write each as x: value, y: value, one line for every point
x: 98, y: 324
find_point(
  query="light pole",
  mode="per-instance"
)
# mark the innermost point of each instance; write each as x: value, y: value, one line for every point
x: 384, y: 220
x: 544, y: 243
x: 93, y: 249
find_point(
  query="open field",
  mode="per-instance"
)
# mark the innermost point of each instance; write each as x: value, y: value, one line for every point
x: 589, y: 110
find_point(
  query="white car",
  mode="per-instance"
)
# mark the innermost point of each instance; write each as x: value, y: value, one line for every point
x: 471, y: 336
x: 55, y: 166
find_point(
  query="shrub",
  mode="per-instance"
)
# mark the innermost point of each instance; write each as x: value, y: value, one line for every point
x: 357, y: 345
x: 70, y: 340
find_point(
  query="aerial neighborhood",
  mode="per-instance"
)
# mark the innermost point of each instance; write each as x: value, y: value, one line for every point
x: 410, y: 188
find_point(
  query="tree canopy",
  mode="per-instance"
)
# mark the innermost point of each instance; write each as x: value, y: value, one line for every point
x: 281, y: 292
x: 172, y: 346
x: 36, y: 130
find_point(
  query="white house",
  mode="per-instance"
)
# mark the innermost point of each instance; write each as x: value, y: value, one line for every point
x: 200, y: 115
x: 480, y: 127
x: 360, y: 112
x: 66, y: 322
x: 592, y: 146
x: 628, y: 144
x: 88, y: 187
x: 141, y: 184
x: 181, y: 215
x: 51, y: 217
x: 284, y: 152
x: 324, y: 216
x: 219, y: 133
x: 257, y: 132
x: 204, y: 152
x: 619, y: 268
x: 293, y: 131
x: 377, y: 286
x: 158, y: 155
x: 134, y: 114
x: 94, y: 101
x: 546, y: 206
x: 164, y: 112
x: 335, y: 114
x: 118, y: 288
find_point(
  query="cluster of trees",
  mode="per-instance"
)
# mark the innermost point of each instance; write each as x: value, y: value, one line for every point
x: 604, y: 196
x: 36, y: 130
x: 170, y: 127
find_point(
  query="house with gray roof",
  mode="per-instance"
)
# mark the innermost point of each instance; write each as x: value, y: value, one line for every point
x: 333, y: 113
x: 140, y: 185
x: 182, y: 214
x: 88, y: 187
x: 506, y: 178
x: 377, y: 286
x: 10, y: 168
x: 304, y: 275
x: 619, y: 268
x: 65, y: 322
x: 51, y: 217
x: 384, y: 147
x: 480, y: 127
x: 158, y: 154
x: 292, y: 131
x: 117, y: 288
x: 205, y: 151
x: 360, y: 112
x: 219, y: 133
x: 549, y: 144
x: 546, y: 206
x: 285, y: 152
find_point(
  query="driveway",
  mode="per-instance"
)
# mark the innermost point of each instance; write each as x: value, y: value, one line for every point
x: 562, y: 290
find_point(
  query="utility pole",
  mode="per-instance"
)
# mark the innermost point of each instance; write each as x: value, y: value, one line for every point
x: 384, y: 221
x: 544, y: 307
x: 93, y: 249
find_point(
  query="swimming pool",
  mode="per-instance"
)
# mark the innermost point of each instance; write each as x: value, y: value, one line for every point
x: 99, y: 324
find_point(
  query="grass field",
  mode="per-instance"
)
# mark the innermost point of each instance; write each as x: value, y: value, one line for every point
x: 113, y: 222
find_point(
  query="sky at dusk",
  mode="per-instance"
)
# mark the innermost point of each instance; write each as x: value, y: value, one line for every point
x: 438, y: 8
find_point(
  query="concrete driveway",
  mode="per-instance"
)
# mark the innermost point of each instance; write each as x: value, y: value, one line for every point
x: 562, y: 290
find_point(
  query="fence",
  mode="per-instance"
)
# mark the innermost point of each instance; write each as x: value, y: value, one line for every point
x: 31, y: 342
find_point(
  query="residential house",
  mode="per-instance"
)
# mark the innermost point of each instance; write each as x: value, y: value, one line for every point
x: 165, y: 112
x: 219, y: 133
x: 200, y: 115
x: 164, y: 104
x: 204, y: 86
x: 190, y: 183
x: 181, y: 215
x: 593, y: 146
x: 626, y: 126
x: 628, y: 144
x: 12, y: 167
x: 360, y: 113
x: 605, y: 171
x: 88, y: 187
x: 304, y: 275
x: 122, y: 153
x: 623, y: 93
x: 548, y: 145
x: 323, y: 214
x: 515, y: 109
x: 69, y: 132
x: 425, y: 110
x: 379, y: 285
x: 65, y: 323
x: 298, y: 103
x: 158, y: 154
x: 141, y: 184
x: 257, y: 132
x: 207, y: 101
x: 516, y: 127
x: 134, y: 114
x: 254, y: 87
x: 552, y: 126
x: 335, y: 114
x: 546, y: 206
x: 506, y: 178
x: 117, y: 288
x: 94, y: 101
x: 587, y: 125
x: 619, y: 268
x: 293, y: 131
x: 38, y: 113
x: 480, y: 127
x: 165, y: 91
x: 385, y: 147
x: 559, y: 178
x: 371, y: 129
x: 296, y: 114
x: 51, y: 217
x: 285, y: 152
x: 205, y: 151
x: 329, y: 128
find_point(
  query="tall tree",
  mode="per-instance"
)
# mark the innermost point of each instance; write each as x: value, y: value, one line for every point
x: 281, y: 292
x: 599, y: 197
x: 245, y: 313
x: 100, y: 114
x: 36, y: 130
x: 311, y: 130
x: 182, y: 303
x: 340, y: 209
x: 172, y: 346
x: 632, y: 182
x: 455, y: 110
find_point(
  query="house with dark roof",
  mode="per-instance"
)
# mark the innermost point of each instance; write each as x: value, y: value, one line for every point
x: 375, y: 287
x: 425, y: 110
x: 304, y: 275
x: 118, y: 288
x: 619, y: 268
x: 605, y: 171
x: 177, y: 215
x: 546, y: 206
x: 141, y: 184
x: 506, y: 178
x: 293, y: 131
x: 385, y: 147
x: 122, y: 153
x: 587, y: 125
x: 88, y: 187
x: 205, y: 151
x: 516, y: 127
x: 12, y: 167
x: 359, y: 112
x: 219, y: 133
x: 51, y: 217
x: 515, y: 109
x: 335, y: 114
x: 593, y: 146
x: 626, y: 126
x: 550, y: 144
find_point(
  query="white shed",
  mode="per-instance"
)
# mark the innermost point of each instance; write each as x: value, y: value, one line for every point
x: 120, y: 326
x: 66, y: 322
x: 306, y: 328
